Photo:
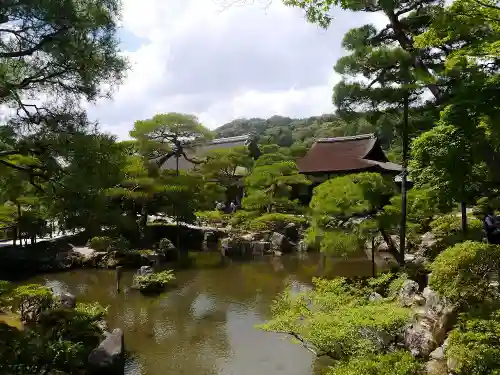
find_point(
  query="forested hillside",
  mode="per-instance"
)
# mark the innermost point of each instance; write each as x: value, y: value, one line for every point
x: 286, y: 131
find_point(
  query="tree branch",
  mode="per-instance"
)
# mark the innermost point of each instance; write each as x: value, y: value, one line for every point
x: 45, y: 40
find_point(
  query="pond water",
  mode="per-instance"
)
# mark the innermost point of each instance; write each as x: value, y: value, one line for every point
x: 206, y: 323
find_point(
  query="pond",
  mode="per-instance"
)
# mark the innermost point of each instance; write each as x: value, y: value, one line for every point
x: 206, y: 324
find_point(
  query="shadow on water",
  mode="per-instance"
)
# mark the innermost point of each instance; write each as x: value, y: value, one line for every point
x: 205, y: 324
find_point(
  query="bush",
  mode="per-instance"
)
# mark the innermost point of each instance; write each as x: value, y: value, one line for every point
x: 101, y: 243
x: 336, y: 318
x: 462, y: 273
x: 153, y: 282
x: 165, y: 245
x: 275, y: 222
x: 241, y: 218
x: 340, y: 244
x: 119, y: 244
x: 396, y: 363
x: 215, y: 217
x: 31, y: 300
x: 474, y: 344
x: 450, y: 224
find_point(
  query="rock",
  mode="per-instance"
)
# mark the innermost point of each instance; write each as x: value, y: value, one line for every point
x: 302, y: 246
x: 443, y: 324
x: 438, y: 353
x: 380, y: 338
x: 427, y: 243
x: 210, y: 241
x: 67, y: 300
x: 108, y: 357
x: 291, y: 232
x: 408, y: 292
x: 375, y: 297
x: 144, y: 270
x: 452, y: 364
x: 260, y: 247
x: 419, y: 341
x: 436, y: 367
x: 280, y: 242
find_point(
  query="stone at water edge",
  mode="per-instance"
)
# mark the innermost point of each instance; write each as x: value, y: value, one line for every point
x: 291, y: 232
x: 108, y: 357
x: 67, y: 300
x: 144, y: 271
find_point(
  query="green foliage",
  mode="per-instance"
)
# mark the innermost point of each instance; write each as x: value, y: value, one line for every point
x: 214, y: 217
x: 340, y: 244
x: 396, y: 363
x: 350, y: 195
x: 337, y: 318
x: 61, y: 341
x: 474, y: 343
x: 100, y: 243
x: 269, y: 187
x: 451, y: 171
x: 462, y: 273
x: 421, y: 208
x: 31, y: 301
x: 168, y: 135
x: 226, y: 165
x: 275, y: 222
x: 241, y: 218
x: 154, y: 281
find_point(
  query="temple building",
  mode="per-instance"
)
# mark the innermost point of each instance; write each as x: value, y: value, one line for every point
x: 198, y: 152
x: 330, y: 157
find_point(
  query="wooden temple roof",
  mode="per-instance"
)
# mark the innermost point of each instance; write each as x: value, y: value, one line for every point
x: 202, y: 150
x: 346, y: 154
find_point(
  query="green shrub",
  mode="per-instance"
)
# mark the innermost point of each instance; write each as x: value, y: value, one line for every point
x: 337, y: 318
x: 340, y: 244
x: 5, y: 293
x: 461, y: 272
x: 154, y: 281
x: 448, y: 231
x: 242, y: 218
x: 475, y: 344
x: 214, y: 217
x: 396, y: 363
x: 119, y: 244
x: 101, y: 243
x: 31, y: 300
x: 275, y: 222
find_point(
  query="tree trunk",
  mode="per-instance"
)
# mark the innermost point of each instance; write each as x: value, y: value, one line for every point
x: 18, y: 228
x: 463, y: 209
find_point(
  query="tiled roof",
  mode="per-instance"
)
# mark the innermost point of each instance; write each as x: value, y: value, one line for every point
x: 343, y: 154
x: 200, y: 151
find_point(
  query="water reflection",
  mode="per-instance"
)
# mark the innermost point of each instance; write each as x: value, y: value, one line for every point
x: 205, y: 325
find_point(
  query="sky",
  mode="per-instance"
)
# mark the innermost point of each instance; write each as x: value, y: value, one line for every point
x: 222, y: 63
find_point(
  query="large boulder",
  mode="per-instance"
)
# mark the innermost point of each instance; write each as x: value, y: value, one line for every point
x: 419, y: 341
x: 108, y: 357
x: 291, y: 232
x: 210, y: 241
x: 144, y: 270
x: 436, y: 367
x: 279, y: 242
x: 67, y: 300
x: 408, y: 293
x: 168, y: 250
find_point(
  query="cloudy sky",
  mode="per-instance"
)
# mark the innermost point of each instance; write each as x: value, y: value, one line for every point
x: 195, y: 56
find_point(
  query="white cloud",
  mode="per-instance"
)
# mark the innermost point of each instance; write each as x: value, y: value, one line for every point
x: 244, y: 61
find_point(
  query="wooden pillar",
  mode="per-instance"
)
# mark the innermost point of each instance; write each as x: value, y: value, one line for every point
x: 118, y: 275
